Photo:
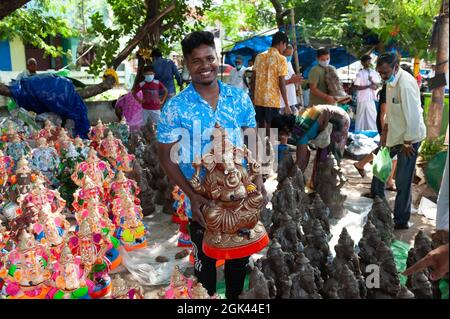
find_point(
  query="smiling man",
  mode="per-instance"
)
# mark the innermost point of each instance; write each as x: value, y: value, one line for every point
x: 185, y: 128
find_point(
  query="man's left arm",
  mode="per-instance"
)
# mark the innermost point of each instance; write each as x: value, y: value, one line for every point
x: 410, y: 104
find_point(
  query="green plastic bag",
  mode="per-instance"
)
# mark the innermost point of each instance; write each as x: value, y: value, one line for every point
x: 382, y: 165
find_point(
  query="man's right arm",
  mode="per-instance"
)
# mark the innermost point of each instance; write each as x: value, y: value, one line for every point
x: 172, y: 170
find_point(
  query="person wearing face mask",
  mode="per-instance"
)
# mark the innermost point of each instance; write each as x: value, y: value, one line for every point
x: 151, y: 89
x: 291, y: 80
x: 366, y: 83
x: 403, y: 132
x: 237, y: 75
x: 319, y: 93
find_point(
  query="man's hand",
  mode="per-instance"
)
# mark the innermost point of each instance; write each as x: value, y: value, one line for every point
x: 330, y: 100
x: 383, y: 138
x: 197, y: 201
x: 287, y: 110
x: 437, y: 259
x: 374, y: 86
x: 409, y: 151
x: 295, y: 79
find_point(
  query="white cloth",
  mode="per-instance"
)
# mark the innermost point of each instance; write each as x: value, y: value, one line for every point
x: 443, y: 201
x: 23, y: 75
x: 290, y: 88
x: 366, y: 116
x: 404, y: 112
x: 237, y: 78
x: 362, y: 79
x: 324, y: 138
x: 151, y: 115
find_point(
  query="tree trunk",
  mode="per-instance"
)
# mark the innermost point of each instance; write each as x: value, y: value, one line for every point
x: 279, y: 12
x: 437, y: 98
x: 151, y: 39
x: 9, y: 6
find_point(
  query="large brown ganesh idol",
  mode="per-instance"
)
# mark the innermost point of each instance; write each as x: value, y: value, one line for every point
x: 233, y: 229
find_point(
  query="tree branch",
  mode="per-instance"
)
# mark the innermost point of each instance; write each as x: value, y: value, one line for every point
x: 279, y: 11
x: 108, y: 83
x: 168, y: 26
x: 9, y: 6
x: 138, y: 37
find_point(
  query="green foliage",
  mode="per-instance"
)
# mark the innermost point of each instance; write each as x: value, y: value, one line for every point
x: 35, y: 24
x: 129, y: 16
x: 407, y: 23
x: 241, y: 18
x: 429, y: 148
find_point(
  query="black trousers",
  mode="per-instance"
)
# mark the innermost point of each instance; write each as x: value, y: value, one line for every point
x: 205, y: 267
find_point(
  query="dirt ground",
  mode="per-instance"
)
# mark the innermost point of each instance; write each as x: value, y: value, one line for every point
x: 162, y: 230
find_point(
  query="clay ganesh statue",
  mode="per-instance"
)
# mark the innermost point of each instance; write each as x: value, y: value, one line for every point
x: 233, y: 226
x: 97, y: 170
x: 184, y: 288
x: 6, y: 167
x: 49, y: 132
x: 27, y: 270
x: 115, y: 152
x: 330, y: 180
x: 22, y: 181
x: 45, y: 159
x: 69, y: 278
x: 92, y: 248
x: 96, y: 134
x: 16, y: 148
x: 128, y: 220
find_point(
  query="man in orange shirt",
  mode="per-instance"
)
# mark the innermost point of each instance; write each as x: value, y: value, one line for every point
x: 268, y: 81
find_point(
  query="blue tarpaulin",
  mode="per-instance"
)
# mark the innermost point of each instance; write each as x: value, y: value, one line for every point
x: 306, y: 54
x: 49, y: 93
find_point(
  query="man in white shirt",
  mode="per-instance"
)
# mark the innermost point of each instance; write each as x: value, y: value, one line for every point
x: 237, y: 75
x: 403, y: 131
x: 367, y: 81
x: 291, y: 79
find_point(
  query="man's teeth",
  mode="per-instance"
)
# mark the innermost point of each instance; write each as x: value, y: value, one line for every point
x: 206, y: 73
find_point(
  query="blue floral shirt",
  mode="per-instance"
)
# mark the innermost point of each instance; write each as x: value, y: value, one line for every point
x: 188, y: 119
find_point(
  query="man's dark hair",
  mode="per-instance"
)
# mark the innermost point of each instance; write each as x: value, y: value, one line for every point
x: 196, y: 39
x: 156, y: 53
x: 148, y: 68
x: 322, y: 51
x: 389, y: 58
x: 279, y: 37
x: 283, y: 122
x: 365, y: 58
